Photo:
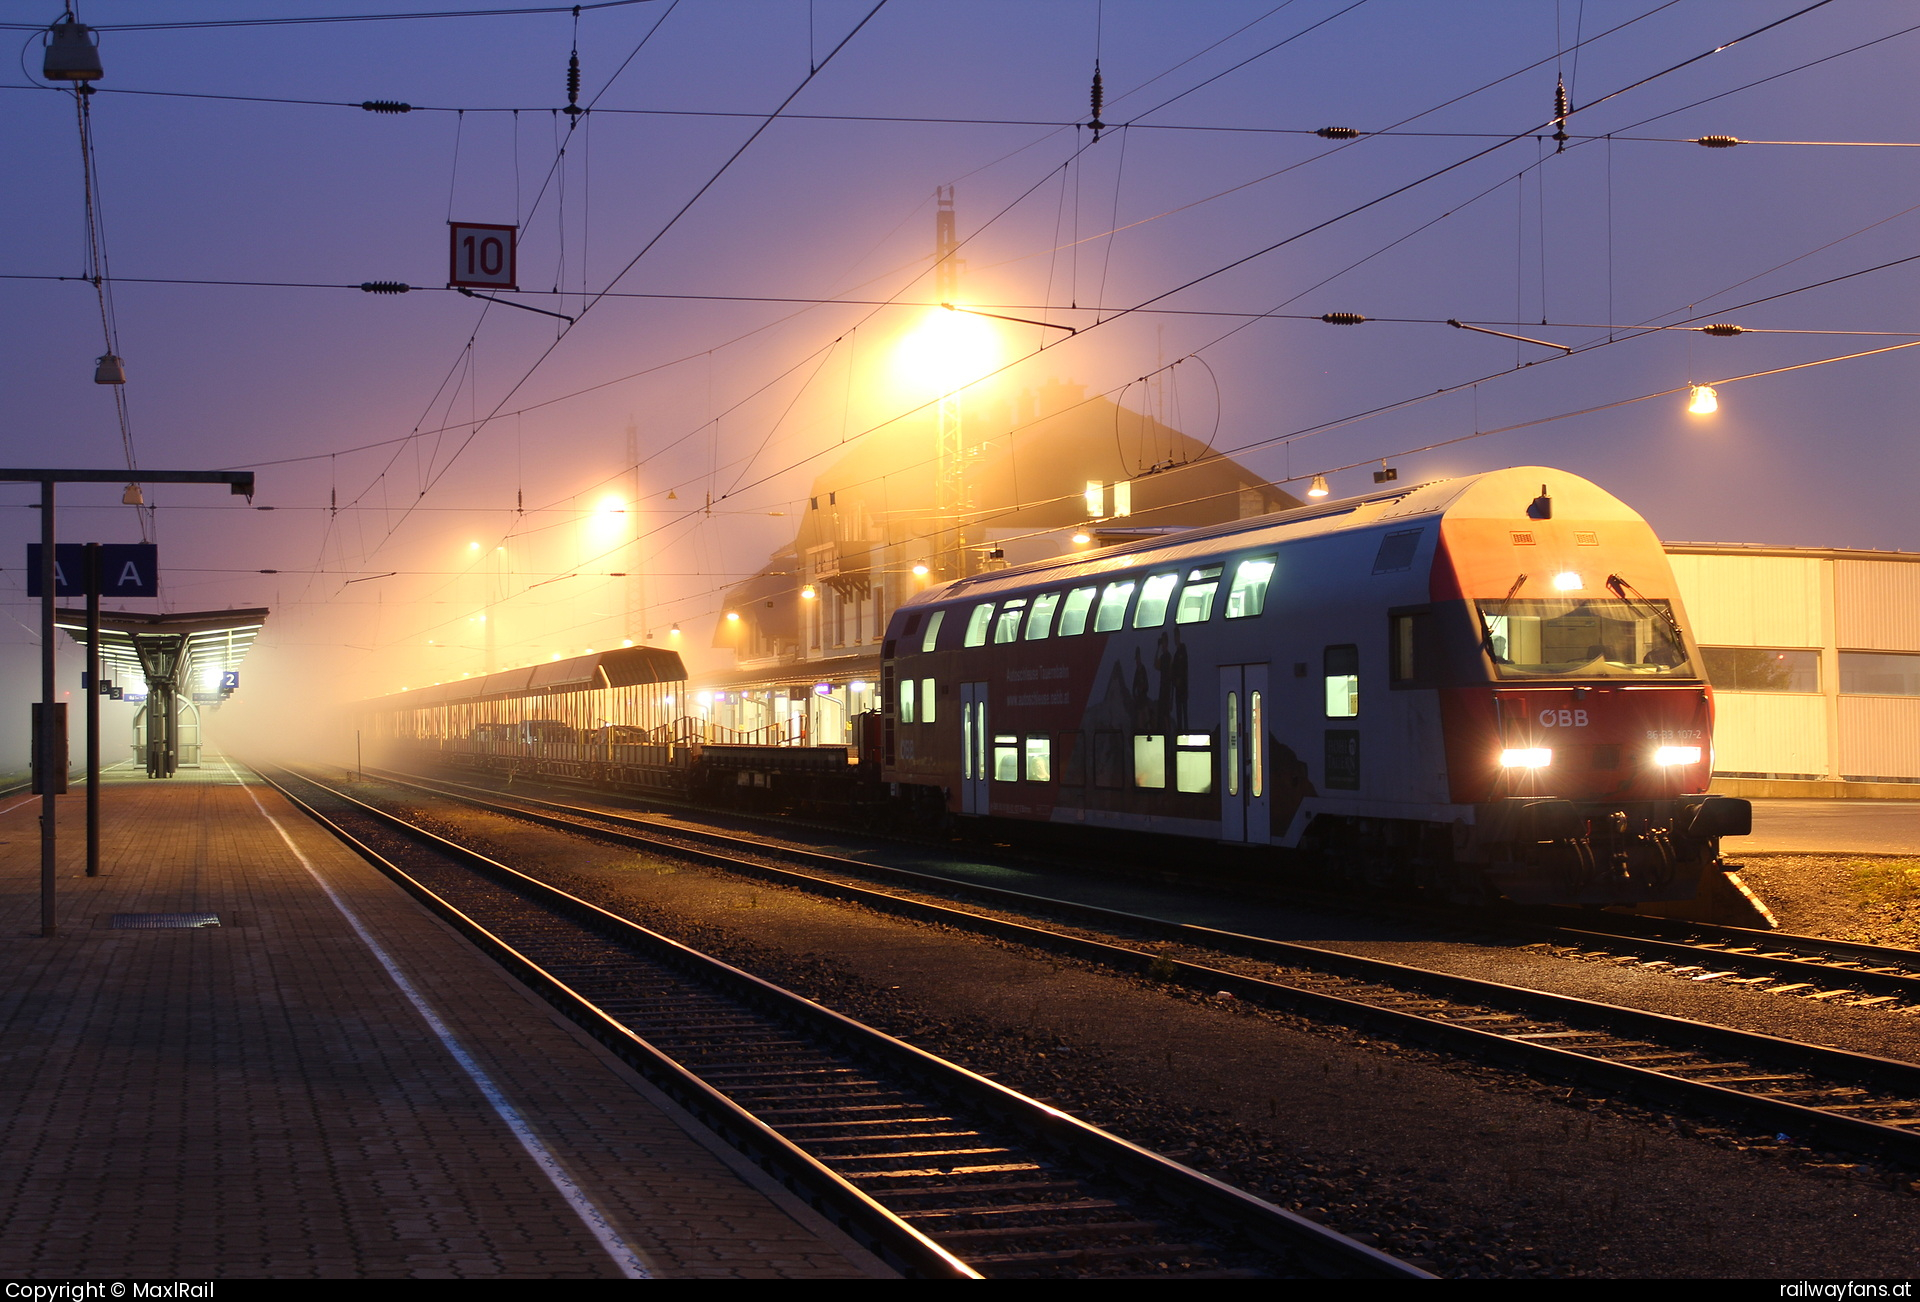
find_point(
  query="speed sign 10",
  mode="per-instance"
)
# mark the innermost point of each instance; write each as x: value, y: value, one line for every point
x: 482, y: 256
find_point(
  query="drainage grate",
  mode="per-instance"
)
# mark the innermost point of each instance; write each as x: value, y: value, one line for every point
x: 156, y: 921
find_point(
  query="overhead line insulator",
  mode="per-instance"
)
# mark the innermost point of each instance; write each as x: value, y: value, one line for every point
x: 1339, y: 133
x: 1723, y: 329
x: 384, y: 286
x: 385, y: 106
x: 1343, y: 318
x: 1718, y: 142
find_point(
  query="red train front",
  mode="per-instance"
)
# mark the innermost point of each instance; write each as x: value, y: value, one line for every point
x: 1479, y: 683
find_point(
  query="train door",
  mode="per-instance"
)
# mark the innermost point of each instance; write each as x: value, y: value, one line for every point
x: 1244, y: 798
x: 973, y: 748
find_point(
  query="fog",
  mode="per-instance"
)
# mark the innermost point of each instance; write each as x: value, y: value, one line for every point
x: 448, y: 486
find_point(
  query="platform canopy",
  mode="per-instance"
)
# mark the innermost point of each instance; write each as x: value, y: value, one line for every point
x: 188, y: 652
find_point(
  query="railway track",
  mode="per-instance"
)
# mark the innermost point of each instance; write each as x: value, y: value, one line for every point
x: 942, y: 1172
x: 1810, y: 1092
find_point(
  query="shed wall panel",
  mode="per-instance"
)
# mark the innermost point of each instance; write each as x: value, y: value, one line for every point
x: 1769, y: 732
x: 1880, y: 736
x: 1752, y: 600
x: 1878, y: 605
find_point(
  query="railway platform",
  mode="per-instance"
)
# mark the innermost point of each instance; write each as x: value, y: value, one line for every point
x: 328, y: 1083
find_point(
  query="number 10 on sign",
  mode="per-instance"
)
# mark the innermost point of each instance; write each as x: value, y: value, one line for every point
x: 482, y: 256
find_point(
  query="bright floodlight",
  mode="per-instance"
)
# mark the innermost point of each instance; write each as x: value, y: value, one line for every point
x: 1703, y: 401
x: 1532, y: 758
x: 948, y: 349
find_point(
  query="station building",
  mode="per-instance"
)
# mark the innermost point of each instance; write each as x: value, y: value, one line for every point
x: 1814, y: 654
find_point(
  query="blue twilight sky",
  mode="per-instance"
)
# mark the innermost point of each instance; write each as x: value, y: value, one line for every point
x: 1209, y: 164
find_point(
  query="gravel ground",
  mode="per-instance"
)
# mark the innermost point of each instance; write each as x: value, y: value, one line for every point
x: 1473, y: 1171
x: 1846, y: 897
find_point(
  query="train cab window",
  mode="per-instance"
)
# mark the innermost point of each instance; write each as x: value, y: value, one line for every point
x: 907, y: 712
x: 1007, y: 627
x: 1248, y: 595
x: 1112, y: 613
x: 1150, y: 760
x: 926, y: 700
x: 1196, y: 599
x: 1040, y: 618
x: 1342, y: 668
x: 1006, y: 757
x: 1073, y: 615
x: 1039, y: 757
x: 928, y: 642
x: 1193, y: 762
x: 1155, y: 593
x: 979, y: 623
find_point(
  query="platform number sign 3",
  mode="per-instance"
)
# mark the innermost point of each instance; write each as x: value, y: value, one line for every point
x: 482, y: 256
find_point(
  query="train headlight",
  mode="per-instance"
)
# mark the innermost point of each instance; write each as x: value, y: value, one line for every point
x: 1677, y: 755
x: 1537, y: 757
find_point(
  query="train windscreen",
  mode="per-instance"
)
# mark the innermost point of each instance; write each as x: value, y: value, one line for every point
x: 1584, y: 638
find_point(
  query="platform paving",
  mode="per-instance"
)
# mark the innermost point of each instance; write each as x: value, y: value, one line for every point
x: 262, y: 1099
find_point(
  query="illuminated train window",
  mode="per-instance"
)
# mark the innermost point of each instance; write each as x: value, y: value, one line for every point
x: 1039, y: 758
x: 978, y: 624
x: 1073, y: 615
x: 1196, y: 599
x: 1193, y: 762
x: 926, y: 700
x: 1343, y: 682
x: 1006, y: 757
x: 1007, y: 628
x: 1150, y: 760
x: 1248, y: 596
x: 906, y: 700
x: 1040, y: 618
x: 1154, y: 596
x: 933, y: 630
x: 1112, y: 613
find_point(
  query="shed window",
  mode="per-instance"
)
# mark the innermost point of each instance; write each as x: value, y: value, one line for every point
x: 1248, y: 596
x: 1765, y: 669
x: 1879, y: 673
x: 1073, y: 615
x: 1007, y: 627
x: 1196, y: 599
x: 1113, y: 607
x: 978, y: 623
x: 1154, y: 596
x: 1041, y: 617
x: 933, y: 630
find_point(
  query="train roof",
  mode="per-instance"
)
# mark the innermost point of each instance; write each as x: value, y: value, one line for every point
x: 620, y: 667
x: 1495, y: 494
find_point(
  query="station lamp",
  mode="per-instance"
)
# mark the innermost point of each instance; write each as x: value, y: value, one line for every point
x: 1319, y: 487
x: 1702, y: 400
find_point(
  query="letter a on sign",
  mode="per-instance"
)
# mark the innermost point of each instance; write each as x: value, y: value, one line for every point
x: 482, y: 257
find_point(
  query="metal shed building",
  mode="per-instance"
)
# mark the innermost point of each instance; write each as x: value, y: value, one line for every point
x: 1814, y: 654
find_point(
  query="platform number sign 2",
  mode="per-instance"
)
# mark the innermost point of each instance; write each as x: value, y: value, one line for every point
x: 482, y: 256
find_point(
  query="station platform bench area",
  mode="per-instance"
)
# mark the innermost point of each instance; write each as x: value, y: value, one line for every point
x: 329, y: 1083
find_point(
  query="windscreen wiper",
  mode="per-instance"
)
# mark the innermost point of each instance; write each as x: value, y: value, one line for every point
x: 1486, y: 633
x: 1620, y: 588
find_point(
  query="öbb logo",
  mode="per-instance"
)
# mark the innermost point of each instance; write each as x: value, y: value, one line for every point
x: 1563, y: 718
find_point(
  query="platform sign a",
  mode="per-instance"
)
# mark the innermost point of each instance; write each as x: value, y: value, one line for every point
x: 126, y: 570
x: 482, y: 256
